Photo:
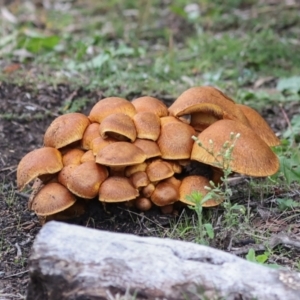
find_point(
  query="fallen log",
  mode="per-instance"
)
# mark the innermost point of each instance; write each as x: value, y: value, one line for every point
x: 73, y: 262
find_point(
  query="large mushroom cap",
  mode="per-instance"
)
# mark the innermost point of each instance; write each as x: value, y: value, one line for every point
x: 85, y: 179
x: 150, y: 148
x: 42, y: 161
x: 117, y: 189
x: 120, y: 154
x: 118, y: 126
x: 65, y: 130
x: 208, y: 100
x: 51, y: 199
x: 146, y: 104
x: 175, y: 140
x: 111, y: 105
x: 250, y: 155
x: 196, y: 184
x: 259, y: 125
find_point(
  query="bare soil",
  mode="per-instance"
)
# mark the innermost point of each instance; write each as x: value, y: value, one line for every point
x: 29, y: 111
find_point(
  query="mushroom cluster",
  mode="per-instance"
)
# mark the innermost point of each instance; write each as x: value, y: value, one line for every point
x: 135, y: 151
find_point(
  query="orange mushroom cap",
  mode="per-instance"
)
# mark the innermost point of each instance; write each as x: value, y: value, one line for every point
x: 91, y: 132
x: 250, y: 155
x: 165, y: 193
x: 150, y: 148
x: 259, y: 125
x: 85, y: 180
x: 42, y: 161
x: 175, y: 140
x: 118, y: 126
x: 72, y: 157
x: 65, y: 130
x: 158, y: 170
x: 52, y: 198
x: 195, y: 183
x: 111, y: 105
x: 147, y: 125
x: 146, y: 103
x: 117, y: 189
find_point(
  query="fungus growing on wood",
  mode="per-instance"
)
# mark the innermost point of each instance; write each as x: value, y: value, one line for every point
x: 111, y: 105
x: 42, y: 161
x: 250, y: 155
x: 65, y: 130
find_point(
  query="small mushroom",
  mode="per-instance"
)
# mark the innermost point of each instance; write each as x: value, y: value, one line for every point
x: 72, y: 157
x: 196, y: 184
x: 165, y: 193
x: 65, y: 130
x: 147, y: 125
x: 148, y: 190
x: 142, y: 203
x: 90, y: 133
x: 139, y: 179
x: 118, y: 126
x: 175, y: 140
x: 150, y: 148
x: 51, y: 199
x: 150, y: 104
x: 111, y: 105
x: 87, y: 156
x: 85, y: 179
x: 42, y: 161
x: 117, y: 189
x: 99, y: 143
x: 158, y: 170
x: 250, y: 155
x: 135, y: 168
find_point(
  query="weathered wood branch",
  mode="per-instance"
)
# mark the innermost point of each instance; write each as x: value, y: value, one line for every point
x: 73, y: 262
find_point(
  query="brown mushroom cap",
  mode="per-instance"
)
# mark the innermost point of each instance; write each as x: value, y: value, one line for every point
x: 165, y: 193
x: 147, y: 125
x: 192, y: 184
x: 64, y: 175
x: 120, y: 154
x: 150, y: 148
x: 151, y: 104
x: 117, y: 189
x: 142, y: 203
x: 118, y: 126
x: 91, y: 132
x: 139, y: 179
x: 51, y: 199
x: 111, y: 105
x: 65, y: 130
x: 209, y: 100
x: 135, y: 168
x: 148, y: 190
x: 85, y: 180
x: 250, y: 156
x: 99, y: 143
x: 38, y: 162
x: 259, y: 125
x: 72, y: 157
x: 87, y: 156
x: 175, y: 140
x: 158, y: 170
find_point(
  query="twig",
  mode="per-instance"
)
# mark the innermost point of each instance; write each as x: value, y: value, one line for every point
x: 16, y: 274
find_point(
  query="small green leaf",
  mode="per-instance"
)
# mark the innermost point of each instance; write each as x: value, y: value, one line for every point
x: 289, y: 84
x: 209, y: 230
x: 251, y: 255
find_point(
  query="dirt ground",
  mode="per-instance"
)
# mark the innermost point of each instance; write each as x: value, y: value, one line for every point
x: 34, y: 109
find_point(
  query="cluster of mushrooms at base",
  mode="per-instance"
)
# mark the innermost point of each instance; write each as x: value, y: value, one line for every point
x: 135, y: 151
